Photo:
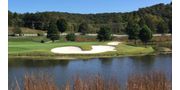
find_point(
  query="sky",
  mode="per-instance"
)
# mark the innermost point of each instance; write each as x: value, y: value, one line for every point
x: 80, y: 6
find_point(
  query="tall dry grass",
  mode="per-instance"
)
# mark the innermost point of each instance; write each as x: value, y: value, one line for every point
x: 148, y: 81
x: 96, y: 82
x: 39, y: 82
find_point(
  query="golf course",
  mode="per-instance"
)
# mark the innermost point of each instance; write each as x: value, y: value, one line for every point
x: 90, y: 45
x: 31, y: 46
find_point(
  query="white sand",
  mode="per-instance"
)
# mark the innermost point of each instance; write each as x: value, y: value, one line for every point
x: 114, y: 43
x: 76, y: 50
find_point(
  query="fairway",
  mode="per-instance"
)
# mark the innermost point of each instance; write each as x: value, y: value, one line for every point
x: 30, y: 46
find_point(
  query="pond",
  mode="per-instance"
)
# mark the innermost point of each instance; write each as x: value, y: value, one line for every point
x: 63, y: 70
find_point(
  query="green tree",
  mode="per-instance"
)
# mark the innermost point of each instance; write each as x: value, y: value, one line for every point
x: 162, y: 27
x: 71, y: 37
x: 104, y: 34
x: 151, y: 17
x: 83, y: 28
x: 14, y: 19
x: 62, y: 25
x: 170, y: 25
x: 152, y: 21
x: 53, y: 32
x: 10, y: 17
x: 133, y: 31
x: 145, y: 34
x: 141, y: 22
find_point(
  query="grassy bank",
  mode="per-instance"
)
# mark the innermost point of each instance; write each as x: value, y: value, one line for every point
x: 32, y: 46
x: 26, y: 30
x: 161, y: 44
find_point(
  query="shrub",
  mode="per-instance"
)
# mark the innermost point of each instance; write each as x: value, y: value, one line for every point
x: 42, y: 41
x: 40, y: 34
x: 71, y: 37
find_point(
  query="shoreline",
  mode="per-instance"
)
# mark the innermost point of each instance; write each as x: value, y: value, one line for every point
x: 80, y: 56
x: 36, y: 51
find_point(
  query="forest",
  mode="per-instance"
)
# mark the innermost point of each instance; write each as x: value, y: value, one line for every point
x: 157, y: 17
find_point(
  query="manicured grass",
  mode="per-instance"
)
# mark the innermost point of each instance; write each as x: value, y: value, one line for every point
x: 127, y: 49
x: 86, y: 47
x: 31, y: 46
x: 19, y: 47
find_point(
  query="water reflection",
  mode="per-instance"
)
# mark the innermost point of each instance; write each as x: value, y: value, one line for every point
x: 64, y: 70
x: 146, y: 60
x: 37, y: 63
x: 106, y: 61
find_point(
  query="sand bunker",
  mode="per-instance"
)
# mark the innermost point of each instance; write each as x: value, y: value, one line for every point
x: 77, y: 50
x: 114, y: 43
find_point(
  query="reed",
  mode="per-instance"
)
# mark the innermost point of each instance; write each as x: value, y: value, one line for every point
x: 39, y: 82
x: 96, y: 82
x: 147, y: 81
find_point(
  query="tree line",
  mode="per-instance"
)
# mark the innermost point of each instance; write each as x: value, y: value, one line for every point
x: 143, y: 33
x: 158, y: 18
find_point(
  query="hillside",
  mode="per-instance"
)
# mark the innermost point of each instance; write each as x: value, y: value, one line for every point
x: 25, y: 31
x: 151, y: 16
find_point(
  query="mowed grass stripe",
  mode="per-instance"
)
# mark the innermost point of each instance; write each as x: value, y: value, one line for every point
x: 18, y: 47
